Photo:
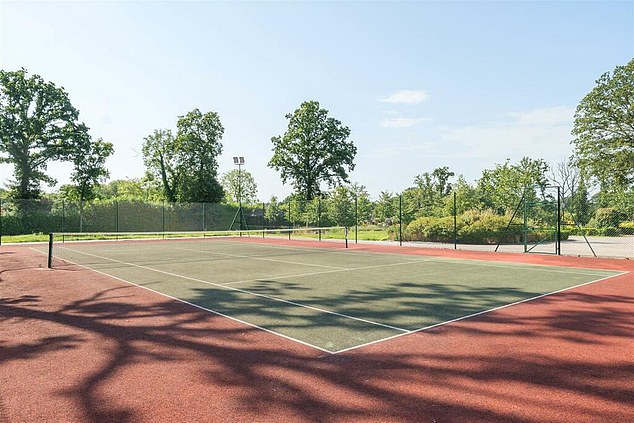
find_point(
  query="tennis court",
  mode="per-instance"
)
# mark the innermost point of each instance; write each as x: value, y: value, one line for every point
x: 320, y: 294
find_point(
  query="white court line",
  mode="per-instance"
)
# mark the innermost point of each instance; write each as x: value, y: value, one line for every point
x: 475, y: 314
x: 176, y: 275
x: 404, y: 331
x: 467, y: 262
x: 325, y: 272
x: 262, y: 258
x: 196, y: 305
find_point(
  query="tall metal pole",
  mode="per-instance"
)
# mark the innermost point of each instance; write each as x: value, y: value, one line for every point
x: 400, y: 220
x: 455, y: 229
x: 356, y: 219
x: 558, y: 248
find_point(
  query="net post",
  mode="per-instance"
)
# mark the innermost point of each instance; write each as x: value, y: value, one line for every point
x: 203, y: 216
x: 50, y: 250
x: 400, y: 220
x: 345, y: 235
x: 163, y: 220
x: 263, y: 220
x: 525, y: 222
x: 290, y: 224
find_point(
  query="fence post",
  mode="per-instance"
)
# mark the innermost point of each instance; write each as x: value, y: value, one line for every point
x: 1, y: 221
x: 400, y: 220
x: 50, y: 250
x: 319, y: 216
x: 116, y: 220
x: 63, y: 221
x: 203, y: 216
x: 163, y: 220
x: 558, y: 221
x: 356, y: 219
x: 455, y: 228
x: 290, y: 224
x: 263, y: 219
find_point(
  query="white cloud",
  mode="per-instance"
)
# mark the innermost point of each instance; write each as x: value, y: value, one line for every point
x: 406, y: 97
x: 541, y: 133
x: 401, y: 122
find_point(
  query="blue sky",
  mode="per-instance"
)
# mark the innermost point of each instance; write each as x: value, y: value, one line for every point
x: 420, y: 84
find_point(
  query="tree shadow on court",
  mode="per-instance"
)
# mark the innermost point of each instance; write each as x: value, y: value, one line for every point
x: 451, y: 373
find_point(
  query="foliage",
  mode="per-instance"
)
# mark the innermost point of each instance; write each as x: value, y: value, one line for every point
x: 313, y: 149
x: 198, y: 147
x: 607, y: 217
x: 159, y: 157
x: 89, y: 159
x: 503, y: 187
x: 38, y: 124
x: 626, y: 228
x: 273, y: 212
x: 341, y: 207
x: 386, y: 208
x: 604, y: 128
x: 239, y: 186
x: 187, y: 164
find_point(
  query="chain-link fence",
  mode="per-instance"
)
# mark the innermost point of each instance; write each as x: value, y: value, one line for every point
x: 538, y: 220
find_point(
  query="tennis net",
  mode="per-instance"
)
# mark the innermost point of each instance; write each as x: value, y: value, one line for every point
x: 169, y: 246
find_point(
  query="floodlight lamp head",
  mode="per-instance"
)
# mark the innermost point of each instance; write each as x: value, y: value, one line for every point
x: 235, y: 160
x: 241, y: 159
x: 238, y: 160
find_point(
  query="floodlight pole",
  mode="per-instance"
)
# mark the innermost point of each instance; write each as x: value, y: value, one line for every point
x: 239, y: 161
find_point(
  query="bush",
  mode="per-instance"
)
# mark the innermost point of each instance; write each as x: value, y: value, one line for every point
x: 431, y: 229
x: 627, y: 228
x: 608, y: 217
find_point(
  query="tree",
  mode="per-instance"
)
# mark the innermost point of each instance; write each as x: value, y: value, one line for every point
x: 604, y: 129
x: 187, y: 164
x: 160, y: 158
x: 386, y: 207
x: 89, y: 159
x: 503, y: 187
x: 38, y: 124
x: 198, y: 146
x: 239, y: 185
x: 313, y: 149
x: 430, y: 189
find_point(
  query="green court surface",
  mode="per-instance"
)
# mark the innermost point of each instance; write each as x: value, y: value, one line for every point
x: 333, y: 299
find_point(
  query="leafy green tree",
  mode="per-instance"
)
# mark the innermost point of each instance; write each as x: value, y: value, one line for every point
x: 341, y: 206
x: 467, y: 198
x: 313, y: 149
x: 160, y: 158
x: 502, y: 188
x: 239, y: 185
x: 89, y: 159
x: 38, y: 124
x: 187, y: 164
x: 386, y: 207
x: 430, y: 189
x: 604, y: 129
x: 273, y: 212
x: 363, y: 203
x: 198, y: 147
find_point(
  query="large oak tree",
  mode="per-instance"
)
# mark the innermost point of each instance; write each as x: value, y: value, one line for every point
x: 314, y: 149
x: 604, y: 129
x: 38, y: 124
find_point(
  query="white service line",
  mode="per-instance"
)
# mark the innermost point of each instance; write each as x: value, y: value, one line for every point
x: 475, y: 314
x: 176, y: 275
x: 196, y: 305
x: 262, y: 258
